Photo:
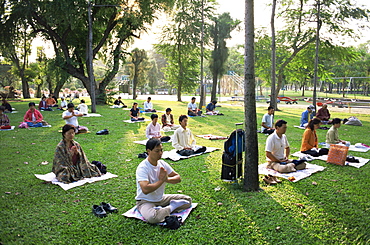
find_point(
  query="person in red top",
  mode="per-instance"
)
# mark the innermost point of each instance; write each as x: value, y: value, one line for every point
x: 4, y: 119
x: 323, y: 114
x: 33, y: 117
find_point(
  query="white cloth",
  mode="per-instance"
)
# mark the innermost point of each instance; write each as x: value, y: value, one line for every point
x: 33, y: 117
x: 83, y: 108
x: 153, y: 131
x: 147, y: 172
x: 148, y: 105
x: 276, y: 145
x: 73, y: 120
x: 183, y: 138
x: 192, y: 106
x: 268, y: 120
x: 168, y: 118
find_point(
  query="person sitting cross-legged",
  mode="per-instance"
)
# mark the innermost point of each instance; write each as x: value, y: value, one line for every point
x: 70, y: 116
x: 268, y: 121
x: 332, y: 136
x: 278, y: 150
x: 193, y: 109
x: 153, y: 130
x: 4, y: 119
x: 43, y: 105
x: 183, y: 140
x: 167, y: 121
x: 152, y: 175
x: 310, y: 141
x: 210, y: 109
x: 148, y: 106
x: 33, y: 117
x: 323, y: 114
x: 50, y: 101
x: 82, y: 107
x: 135, y: 113
x: 117, y: 103
x: 306, y: 116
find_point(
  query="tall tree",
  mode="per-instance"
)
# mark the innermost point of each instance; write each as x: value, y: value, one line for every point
x: 138, y: 68
x: 220, y: 30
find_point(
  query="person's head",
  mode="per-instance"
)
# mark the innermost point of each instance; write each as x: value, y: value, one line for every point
x: 336, y: 122
x: 314, y: 124
x: 154, y: 118
x: 68, y: 132
x: 154, y: 149
x: 214, y: 102
x: 270, y: 110
x: 119, y: 98
x: 193, y: 99
x: 70, y: 107
x: 31, y: 105
x: 2, y: 109
x: 168, y: 111
x: 149, y: 99
x: 50, y: 95
x: 62, y: 98
x: 82, y: 101
x: 325, y: 106
x: 281, y: 126
x: 134, y: 105
x: 183, y: 120
x: 309, y: 109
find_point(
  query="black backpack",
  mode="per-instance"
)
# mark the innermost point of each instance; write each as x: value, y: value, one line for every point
x: 172, y: 222
x: 230, y: 143
x: 101, y: 167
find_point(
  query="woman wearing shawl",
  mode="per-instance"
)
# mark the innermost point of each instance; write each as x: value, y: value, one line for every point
x: 70, y: 162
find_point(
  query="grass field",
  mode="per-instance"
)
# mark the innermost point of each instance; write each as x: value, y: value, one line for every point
x: 334, y: 211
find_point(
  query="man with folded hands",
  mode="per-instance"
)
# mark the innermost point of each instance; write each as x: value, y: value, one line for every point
x: 278, y: 150
x: 152, y: 174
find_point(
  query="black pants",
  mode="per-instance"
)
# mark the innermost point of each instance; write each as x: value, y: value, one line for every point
x: 191, y: 152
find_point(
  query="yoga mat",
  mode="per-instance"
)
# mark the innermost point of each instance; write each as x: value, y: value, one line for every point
x: 129, y: 121
x: 175, y: 156
x: 92, y: 115
x: 212, y: 137
x: 298, y: 175
x: 50, y: 177
x: 12, y: 128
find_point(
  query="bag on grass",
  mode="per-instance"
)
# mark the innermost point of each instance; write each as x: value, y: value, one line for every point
x: 101, y: 166
x: 337, y: 154
x: 173, y: 222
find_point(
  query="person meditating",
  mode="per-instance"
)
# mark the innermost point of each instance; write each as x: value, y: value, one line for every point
x: 70, y: 162
x: 4, y: 119
x: 332, y: 136
x: 268, y: 121
x: 278, y: 150
x: 8, y: 107
x: 306, y: 116
x: 153, y: 130
x: 152, y: 175
x: 135, y: 113
x: 210, y: 109
x: 183, y: 140
x: 117, y: 103
x: 43, y: 106
x: 33, y: 117
x: 148, y: 106
x: 50, y: 102
x: 193, y: 109
x: 70, y: 116
x: 310, y: 141
x: 323, y: 114
x: 82, y: 107
x: 167, y: 121
x: 63, y: 104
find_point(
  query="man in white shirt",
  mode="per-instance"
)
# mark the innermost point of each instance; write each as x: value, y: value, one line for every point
x: 84, y: 110
x: 193, y: 109
x: 70, y: 116
x: 152, y: 174
x: 278, y: 150
x: 148, y: 106
x: 183, y: 140
x: 63, y: 104
x: 153, y: 130
x: 268, y: 121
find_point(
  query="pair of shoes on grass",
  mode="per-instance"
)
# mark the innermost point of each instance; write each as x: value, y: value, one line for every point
x: 271, y: 180
x: 102, y: 209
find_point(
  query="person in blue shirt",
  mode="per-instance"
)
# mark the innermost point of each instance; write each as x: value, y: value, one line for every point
x: 210, y: 109
x: 306, y: 116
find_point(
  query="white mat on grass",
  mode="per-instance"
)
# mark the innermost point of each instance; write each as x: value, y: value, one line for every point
x: 351, y: 147
x: 11, y: 128
x: 51, y: 178
x: 174, y: 156
x: 129, y: 121
x: 143, y: 142
x: 296, y: 126
x: 134, y: 213
x: 212, y: 137
x: 298, y: 175
x: 92, y: 115
x: 362, y: 161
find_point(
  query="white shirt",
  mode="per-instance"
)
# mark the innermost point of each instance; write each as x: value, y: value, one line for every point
x: 73, y: 120
x: 276, y: 145
x: 83, y: 109
x: 147, y: 172
x: 268, y: 120
x: 168, y: 118
x: 183, y: 138
x: 192, y: 106
x: 153, y: 131
x: 63, y: 104
x: 148, y: 105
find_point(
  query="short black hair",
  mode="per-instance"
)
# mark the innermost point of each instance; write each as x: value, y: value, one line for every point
x: 168, y: 109
x: 270, y: 107
x: 119, y: 97
x: 152, y: 143
x: 31, y: 104
x: 66, y: 128
x: 70, y: 105
x: 193, y: 98
x: 82, y: 101
x: 280, y: 123
x: 153, y: 116
x: 336, y: 121
x: 214, y: 102
x: 149, y: 98
x: 182, y: 117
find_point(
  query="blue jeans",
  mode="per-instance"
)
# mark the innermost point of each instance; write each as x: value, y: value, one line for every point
x: 31, y: 124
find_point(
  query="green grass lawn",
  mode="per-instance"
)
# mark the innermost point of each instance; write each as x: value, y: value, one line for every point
x: 335, y: 211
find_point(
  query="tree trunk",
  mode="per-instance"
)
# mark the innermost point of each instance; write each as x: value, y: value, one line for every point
x: 38, y: 91
x: 251, y: 182
x: 214, y: 87
x: 273, y: 58
x: 179, y: 92
x: 25, y: 88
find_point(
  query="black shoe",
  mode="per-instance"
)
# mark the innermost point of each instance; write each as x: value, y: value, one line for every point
x: 102, y: 132
x: 99, y: 211
x: 109, y: 208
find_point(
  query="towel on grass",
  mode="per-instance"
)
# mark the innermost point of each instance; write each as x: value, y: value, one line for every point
x: 134, y: 213
x: 211, y: 137
x: 11, y: 128
x: 50, y: 177
x: 298, y: 175
x: 129, y: 121
x: 362, y: 161
x: 296, y: 126
x: 143, y: 142
x: 174, y: 156
x: 92, y: 115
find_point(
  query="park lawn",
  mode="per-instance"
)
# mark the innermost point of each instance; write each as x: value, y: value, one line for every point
x: 335, y: 210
